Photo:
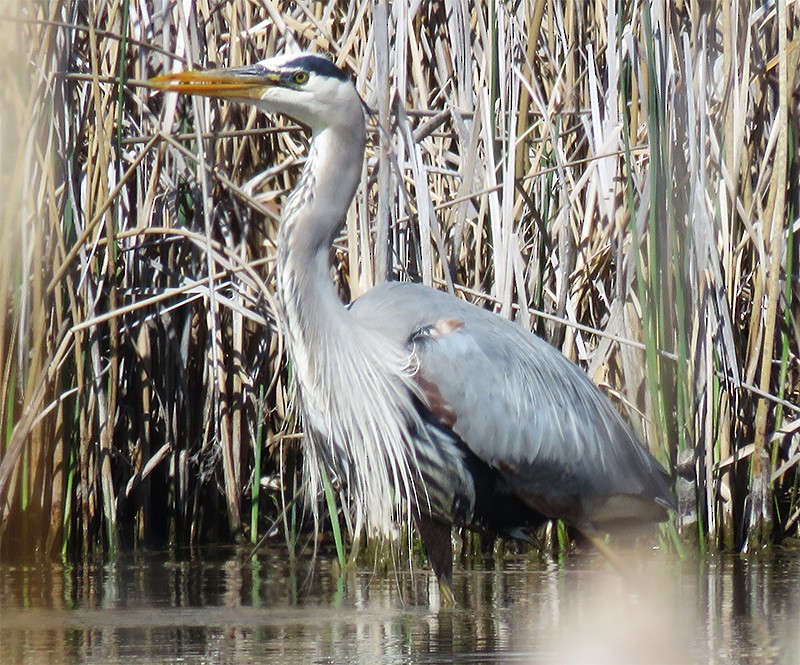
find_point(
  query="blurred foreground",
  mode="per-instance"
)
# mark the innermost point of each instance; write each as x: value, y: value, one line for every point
x: 221, y: 608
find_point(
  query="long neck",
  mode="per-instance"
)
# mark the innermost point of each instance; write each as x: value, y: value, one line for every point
x: 355, y: 385
x: 312, y: 215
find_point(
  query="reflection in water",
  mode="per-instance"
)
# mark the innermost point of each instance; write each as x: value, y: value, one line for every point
x: 220, y: 608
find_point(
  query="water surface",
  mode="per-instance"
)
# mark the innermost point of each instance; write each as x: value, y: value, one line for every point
x: 217, y: 606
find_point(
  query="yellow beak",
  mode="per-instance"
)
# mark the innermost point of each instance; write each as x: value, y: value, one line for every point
x: 235, y: 83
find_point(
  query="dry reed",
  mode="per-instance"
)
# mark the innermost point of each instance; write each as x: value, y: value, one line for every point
x: 621, y: 178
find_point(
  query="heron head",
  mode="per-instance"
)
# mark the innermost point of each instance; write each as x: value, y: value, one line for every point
x: 306, y: 87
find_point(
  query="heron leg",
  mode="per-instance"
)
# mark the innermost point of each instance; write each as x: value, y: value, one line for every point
x: 596, y: 539
x: 439, y: 547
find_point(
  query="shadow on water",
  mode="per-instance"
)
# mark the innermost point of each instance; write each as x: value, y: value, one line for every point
x: 218, y: 607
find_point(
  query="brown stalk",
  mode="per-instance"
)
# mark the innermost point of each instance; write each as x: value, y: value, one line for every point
x: 761, y: 510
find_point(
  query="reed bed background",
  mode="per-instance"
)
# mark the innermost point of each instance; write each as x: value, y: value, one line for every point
x: 621, y: 178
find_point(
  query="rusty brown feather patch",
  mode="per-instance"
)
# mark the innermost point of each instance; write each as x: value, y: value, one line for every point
x: 436, y: 403
x: 507, y: 468
x: 446, y: 326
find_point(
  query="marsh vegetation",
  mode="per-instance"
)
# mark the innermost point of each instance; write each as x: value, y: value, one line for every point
x: 621, y: 178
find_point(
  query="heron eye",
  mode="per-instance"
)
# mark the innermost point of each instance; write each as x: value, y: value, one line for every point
x: 300, y: 78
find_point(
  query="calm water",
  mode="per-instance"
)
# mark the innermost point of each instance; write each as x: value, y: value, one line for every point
x: 218, y: 607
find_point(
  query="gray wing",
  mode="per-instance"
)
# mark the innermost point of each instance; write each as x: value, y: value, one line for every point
x: 523, y: 409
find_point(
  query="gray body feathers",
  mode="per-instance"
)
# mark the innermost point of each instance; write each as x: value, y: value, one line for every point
x: 523, y: 409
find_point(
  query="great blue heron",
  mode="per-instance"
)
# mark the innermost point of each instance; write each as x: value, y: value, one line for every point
x: 425, y: 406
